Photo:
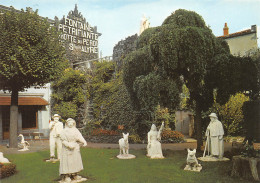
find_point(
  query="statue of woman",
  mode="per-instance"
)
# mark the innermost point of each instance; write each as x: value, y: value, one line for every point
x: 70, y: 161
x: 154, y: 147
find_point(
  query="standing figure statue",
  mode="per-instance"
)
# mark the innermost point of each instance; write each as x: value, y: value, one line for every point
x: 214, y: 135
x: 154, y: 147
x: 145, y: 24
x: 55, y: 127
x: 71, y: 162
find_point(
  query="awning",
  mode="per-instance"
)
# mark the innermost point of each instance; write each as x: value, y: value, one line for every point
x: 24, y: 101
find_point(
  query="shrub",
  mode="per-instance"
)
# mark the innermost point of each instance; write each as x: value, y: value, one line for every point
x: 135, y: 138
x: 7, y: 169
x: 170, y: 136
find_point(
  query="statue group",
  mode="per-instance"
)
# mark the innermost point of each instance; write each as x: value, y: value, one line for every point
x: 68, y: 141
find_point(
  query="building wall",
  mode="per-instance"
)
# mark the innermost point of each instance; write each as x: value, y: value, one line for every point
x: 44, y: 115
x: 242, y: 45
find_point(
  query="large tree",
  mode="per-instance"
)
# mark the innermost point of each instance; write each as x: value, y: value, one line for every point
x: 184, y: 50
x: 30, y: 54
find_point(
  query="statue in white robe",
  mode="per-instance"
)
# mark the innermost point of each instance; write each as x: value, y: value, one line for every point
x: 70, y: 161
x: 214, y: 135
x: 154, y: 147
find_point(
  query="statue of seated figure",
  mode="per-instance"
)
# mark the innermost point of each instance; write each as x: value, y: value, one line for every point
x: 154, y: 147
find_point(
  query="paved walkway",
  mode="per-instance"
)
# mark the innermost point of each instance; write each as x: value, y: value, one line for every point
x: 36, y: 146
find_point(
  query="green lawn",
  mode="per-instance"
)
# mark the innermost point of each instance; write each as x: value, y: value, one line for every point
x: 102, y: 166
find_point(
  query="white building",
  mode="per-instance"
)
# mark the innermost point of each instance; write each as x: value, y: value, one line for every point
x: 33, y: 108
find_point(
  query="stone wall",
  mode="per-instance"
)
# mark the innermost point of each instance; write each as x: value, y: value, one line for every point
x: 122, y: 48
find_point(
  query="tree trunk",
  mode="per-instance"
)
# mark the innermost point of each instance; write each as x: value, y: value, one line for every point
x: 247, y: 168
x: 198, y: 126
x: 13, y: 131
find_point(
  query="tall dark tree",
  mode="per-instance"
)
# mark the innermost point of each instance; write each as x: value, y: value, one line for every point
x: 184, y: 49
x: 30, y: 54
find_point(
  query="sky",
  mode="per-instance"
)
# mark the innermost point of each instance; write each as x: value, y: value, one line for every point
x: 118, y: 19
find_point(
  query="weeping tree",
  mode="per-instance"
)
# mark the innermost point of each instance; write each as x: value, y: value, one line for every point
x: 30, y: 54
x: 183, y: 50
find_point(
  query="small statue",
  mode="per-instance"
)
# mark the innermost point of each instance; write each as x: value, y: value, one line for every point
x: 3, y: 159
x: 55, y: 127
x: 124, y: 145
x: 124, y: 148
x: 154, y: 147
x: 145, y: 24
x: 71, y: 162
x: 192, y: 162
x: 23, y: 144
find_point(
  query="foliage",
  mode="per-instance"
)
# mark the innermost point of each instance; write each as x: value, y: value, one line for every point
x: 7, y: 169
x: 69, y: 93
x: 231, y: 114
x: 170, y: 136
x: 183, y: 50
x: 134, y: 138
x: 250, y: 152
x: 163, y: 115
x: 111, y: 103
x: 30, y: 50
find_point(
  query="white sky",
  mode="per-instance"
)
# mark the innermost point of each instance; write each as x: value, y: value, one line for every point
x: 118, y: 19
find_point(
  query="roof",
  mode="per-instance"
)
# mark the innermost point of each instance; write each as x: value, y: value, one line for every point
x: 241, y: 33
x: 24, y: 101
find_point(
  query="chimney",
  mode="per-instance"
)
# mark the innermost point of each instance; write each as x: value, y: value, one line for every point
x: 225, y: 30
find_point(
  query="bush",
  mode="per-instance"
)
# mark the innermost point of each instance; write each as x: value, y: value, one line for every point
x: 170, y: 136
x: 7, y: 169
x: 135, y: 138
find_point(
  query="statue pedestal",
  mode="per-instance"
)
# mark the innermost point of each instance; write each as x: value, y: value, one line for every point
x: 125, y: 156
x: 52, y: 160
x: 74, y: 181
x: 25, y: 149
x: 210, y: 158
x: 194, y: 169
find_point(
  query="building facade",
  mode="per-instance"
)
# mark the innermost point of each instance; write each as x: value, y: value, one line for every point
x: 241, y: 43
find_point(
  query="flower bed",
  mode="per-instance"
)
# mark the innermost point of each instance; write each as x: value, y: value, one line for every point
x: 170, y: 136
x: 7, y: 169
x: 103, y: 136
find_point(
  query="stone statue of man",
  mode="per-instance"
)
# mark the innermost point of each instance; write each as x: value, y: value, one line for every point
x: 214, y: 135
x: 55, y: 127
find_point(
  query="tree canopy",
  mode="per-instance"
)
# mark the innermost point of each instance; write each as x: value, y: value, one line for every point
x: 30, y: 50
x: 183, y: 50
x: 30, y: 54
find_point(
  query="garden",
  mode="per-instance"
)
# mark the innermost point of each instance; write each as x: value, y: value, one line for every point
x: 102, y: 166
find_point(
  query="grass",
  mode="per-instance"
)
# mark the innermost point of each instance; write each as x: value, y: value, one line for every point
x: 102, y: 166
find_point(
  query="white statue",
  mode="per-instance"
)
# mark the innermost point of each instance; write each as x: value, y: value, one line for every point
x: 71, y: 162
x: 192, y: 162
x: 154, y: 147
x: 124, y: 148
x: 23, y: 144
x: 214, y: 135
x: 145, y: 24
x: 214, y: 143
x: 55, y: 127
x: 3, y: 159
x: 123, y: 144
